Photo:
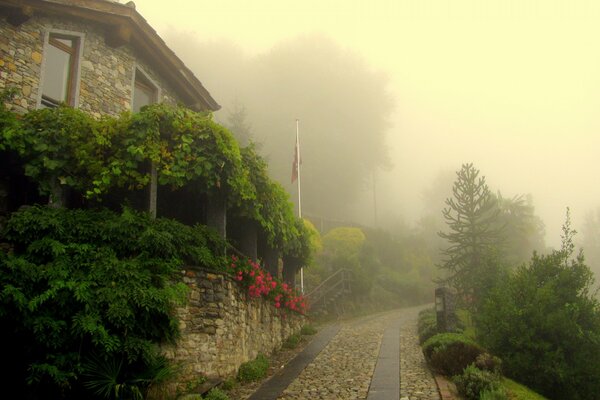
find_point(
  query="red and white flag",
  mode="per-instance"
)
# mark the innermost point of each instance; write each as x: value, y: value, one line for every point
x: 296, y: 162
x: 297, y: 159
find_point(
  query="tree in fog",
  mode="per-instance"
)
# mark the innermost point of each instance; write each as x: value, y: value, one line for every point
x: 471, y: 216
x: 522, y: 232
x: 342, y: 103
x: 591, y: 241
x: 237, y: 123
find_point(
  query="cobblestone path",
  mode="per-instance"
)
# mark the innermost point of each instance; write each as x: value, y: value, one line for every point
x: 344, y: 369
x: 416, y: 381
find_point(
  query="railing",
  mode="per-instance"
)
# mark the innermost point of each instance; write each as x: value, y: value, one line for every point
x: 338, y: 282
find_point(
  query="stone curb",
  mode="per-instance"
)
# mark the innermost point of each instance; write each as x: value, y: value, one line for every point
x: 447, y: 388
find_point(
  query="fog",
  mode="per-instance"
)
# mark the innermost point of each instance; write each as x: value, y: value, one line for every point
x: 511, y: 86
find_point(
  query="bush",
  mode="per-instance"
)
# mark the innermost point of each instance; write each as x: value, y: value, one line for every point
x: 229, y: 384
x: 450, y: 353
x: 545, y: 324
x: 473, y: 381
x: 292, y: 341
x: 89, y: 294
x: 493, y: 394
x: 254, y: 370
x: 216, y: 394
x: 488, y: 362
x: 427, y: 325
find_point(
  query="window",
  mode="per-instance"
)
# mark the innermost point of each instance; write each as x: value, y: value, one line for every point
x: 60, y: 70
x: 144, y: 91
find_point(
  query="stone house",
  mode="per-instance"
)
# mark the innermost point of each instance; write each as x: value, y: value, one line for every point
x: 100, y: 56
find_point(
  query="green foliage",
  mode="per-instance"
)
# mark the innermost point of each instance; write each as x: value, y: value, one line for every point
x: 473, y: 382
x: 292, y: 341
x: 229, y: 384
x: 216, y: 394
x: 427, y: 325
x: 471, y: 217
x: 493, y: 394
x: 521, y: 231
x: 344, y: 240
x: 450, y: 353
x: 489, y: 362
x: 519, y: 392
x: 82, y: 283
x: 545, y: 324
x: 108, y: 378
x: 308, y: 330
x: 254, y: 370
x: 65, y: 147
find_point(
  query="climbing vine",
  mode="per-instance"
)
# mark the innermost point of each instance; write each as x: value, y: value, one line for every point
x: 65, y: 147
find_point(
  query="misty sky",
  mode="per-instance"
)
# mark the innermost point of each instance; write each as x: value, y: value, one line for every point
x: 512, y: 86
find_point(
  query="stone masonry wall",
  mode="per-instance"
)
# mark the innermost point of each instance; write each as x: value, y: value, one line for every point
x: 106, y: 79
x: 222, y: 328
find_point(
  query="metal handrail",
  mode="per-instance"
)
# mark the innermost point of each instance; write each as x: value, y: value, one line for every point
x: 319, y: 293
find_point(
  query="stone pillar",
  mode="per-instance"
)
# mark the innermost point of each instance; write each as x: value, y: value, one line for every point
x: 270, y: 259
x: 248, y: 238
x: 290, y: 267
x: 216, y: 213
x: 445, y: 308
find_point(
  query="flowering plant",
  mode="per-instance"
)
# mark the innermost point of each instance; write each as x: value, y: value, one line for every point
x: 260, y: 283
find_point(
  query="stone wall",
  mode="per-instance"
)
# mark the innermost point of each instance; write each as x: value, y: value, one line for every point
x: 222, y: 328
x: 106, y: 73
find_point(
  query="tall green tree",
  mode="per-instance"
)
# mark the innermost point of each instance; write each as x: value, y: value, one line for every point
x: 471, y: 216
x: 591, y: 241
x: 522, y: 231
x: 544, y: 322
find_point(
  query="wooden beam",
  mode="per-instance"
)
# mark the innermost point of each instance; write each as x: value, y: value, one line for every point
x: 118, y: 35
x: 20, y: 15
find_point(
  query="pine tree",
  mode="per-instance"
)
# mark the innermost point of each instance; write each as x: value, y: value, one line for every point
x: 471, y: 215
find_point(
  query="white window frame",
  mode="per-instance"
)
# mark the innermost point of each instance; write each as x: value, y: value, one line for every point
x: 76, y: 79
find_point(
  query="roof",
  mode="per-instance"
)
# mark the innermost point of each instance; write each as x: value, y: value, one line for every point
x: 124, y: 25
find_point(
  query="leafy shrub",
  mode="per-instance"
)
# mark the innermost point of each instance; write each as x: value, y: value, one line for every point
x: 228, y: 384
x: 216, y: 394
x: 292, y: 341
x: 427, y: 325
x: 89, y: 295
x: 544, y: 322
x: 493, y: 394
x: 489, y: 362
x: 473, y: 381
x: 450, y: 353
x: 308, y: 330
x: 254, y: 370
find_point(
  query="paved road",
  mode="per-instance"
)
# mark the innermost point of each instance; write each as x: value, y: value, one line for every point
x: 374, y: 358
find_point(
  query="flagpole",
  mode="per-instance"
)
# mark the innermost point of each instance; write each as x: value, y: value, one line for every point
x: 298, y: 168
x: 299, y: 194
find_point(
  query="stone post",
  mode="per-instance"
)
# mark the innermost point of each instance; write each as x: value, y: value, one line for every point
x: 445, y: 308
x: 216, y: 213
x: 247, y: 240
x: 290, y: 267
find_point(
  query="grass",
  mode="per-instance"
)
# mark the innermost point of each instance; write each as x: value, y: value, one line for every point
x: 308, y: 330
x: 293, y: 341
x: 516, y: 391
x: 254, y: 370
x: 466, y: 320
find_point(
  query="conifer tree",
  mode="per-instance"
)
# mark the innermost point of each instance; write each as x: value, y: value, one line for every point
x: 473, y: 235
